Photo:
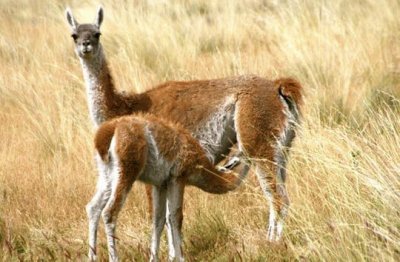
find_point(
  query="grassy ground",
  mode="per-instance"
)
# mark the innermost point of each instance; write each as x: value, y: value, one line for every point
x: 344, y: 173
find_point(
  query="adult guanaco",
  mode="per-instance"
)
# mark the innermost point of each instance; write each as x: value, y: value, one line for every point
x: 258, y: 115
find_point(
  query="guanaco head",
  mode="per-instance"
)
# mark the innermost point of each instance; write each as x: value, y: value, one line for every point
x: 86, y: 36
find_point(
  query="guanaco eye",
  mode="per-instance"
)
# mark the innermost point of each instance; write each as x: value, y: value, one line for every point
x: 97, y: 35
x: 74, y: 36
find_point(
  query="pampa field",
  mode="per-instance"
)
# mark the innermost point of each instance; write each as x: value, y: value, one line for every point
x: 344, y: 170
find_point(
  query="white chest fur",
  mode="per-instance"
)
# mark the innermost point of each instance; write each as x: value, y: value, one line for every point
x: 92, y: 70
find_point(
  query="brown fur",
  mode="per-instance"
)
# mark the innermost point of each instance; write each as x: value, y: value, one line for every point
x: 191, y: 103
x: 174, y: 144
x: 115, y: 103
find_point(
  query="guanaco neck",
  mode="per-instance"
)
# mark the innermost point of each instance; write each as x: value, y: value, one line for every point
x: 103, y: 99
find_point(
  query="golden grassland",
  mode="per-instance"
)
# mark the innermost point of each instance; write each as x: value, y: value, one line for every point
x: 344, y: 172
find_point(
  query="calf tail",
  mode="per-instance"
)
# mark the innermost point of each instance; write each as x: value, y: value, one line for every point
x: 103, y: 139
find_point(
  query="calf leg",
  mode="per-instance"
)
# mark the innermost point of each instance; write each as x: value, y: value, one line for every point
x: 96, y: 206
x: 120, y: 187
x: 159, y: 205
x: 175, y: 193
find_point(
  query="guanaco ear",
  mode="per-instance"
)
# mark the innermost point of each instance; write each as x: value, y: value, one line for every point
x: 99, y: 17
x: 70, y: 18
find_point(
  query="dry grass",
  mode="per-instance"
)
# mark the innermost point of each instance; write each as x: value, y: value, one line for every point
x: 344, y: 177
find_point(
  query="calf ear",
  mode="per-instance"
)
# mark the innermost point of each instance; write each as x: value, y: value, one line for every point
x: 70, y: 18
x: 99, y: 17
